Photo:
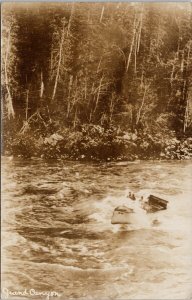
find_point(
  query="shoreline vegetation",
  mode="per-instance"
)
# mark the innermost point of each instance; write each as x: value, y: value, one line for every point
x: 97, y: 81
x: 92, y: 142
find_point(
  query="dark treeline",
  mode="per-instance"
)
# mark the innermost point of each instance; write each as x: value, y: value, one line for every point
x: 97, y: 80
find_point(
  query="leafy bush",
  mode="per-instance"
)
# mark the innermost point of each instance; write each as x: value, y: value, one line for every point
x: 93, y: 142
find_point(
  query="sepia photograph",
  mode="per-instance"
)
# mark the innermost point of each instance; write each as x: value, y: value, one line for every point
x: 96, y: 150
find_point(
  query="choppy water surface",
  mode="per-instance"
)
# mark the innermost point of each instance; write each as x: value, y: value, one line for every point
x: 57, y: 233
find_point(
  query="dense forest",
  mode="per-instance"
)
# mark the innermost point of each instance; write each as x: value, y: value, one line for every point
x: 97, y: 80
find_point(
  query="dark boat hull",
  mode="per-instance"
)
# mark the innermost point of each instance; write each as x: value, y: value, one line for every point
x: 154, y: 204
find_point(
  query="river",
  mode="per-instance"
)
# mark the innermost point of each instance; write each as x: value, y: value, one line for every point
x: 57, y: 233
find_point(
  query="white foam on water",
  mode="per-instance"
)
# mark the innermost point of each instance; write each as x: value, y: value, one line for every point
x: 105, y: 207
x: 175, y: 218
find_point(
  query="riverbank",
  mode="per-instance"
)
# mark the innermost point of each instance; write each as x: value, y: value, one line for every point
x: 93, y: 142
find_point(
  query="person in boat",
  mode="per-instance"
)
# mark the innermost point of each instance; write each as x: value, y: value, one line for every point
x: 131, y: 196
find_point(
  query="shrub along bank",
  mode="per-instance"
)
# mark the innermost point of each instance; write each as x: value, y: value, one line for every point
x: 93, y: 142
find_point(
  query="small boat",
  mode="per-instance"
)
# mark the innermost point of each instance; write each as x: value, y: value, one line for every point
x: 126, y: 215
x: 123, y: 215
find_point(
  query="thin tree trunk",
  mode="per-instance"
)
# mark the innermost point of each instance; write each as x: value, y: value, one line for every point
x: 140, y: 109
x: 131, y: 115
x: 75, y: 119
x: 98, y: 67
x: 27, y: 105
x: 102, y: 12
x: 42, y: 86
x: 142, y: 75
x: 26, y: 124
x: 185, y: 93
x: 111, y: 109
x: 75, y: 96
x: 139, y: 34
x: 173, y: 70
x: 132, y: 44
x: 91, y: 97
x: 135, y: 66
x: 186, y: 117
x: 59, y: 62
x: 98, y: 94
x: 85, y: 90
x: 71, y: 78
x: 68, y: 109
x: 69, y: 95
x: 69, y: 24
x: 138, y: 40
x: 51, y: 62
x: 90, y: 116
x: 9, y: 97
x: 182, y: 62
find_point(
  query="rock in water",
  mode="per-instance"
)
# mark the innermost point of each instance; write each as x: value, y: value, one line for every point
x: 155, y: 222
